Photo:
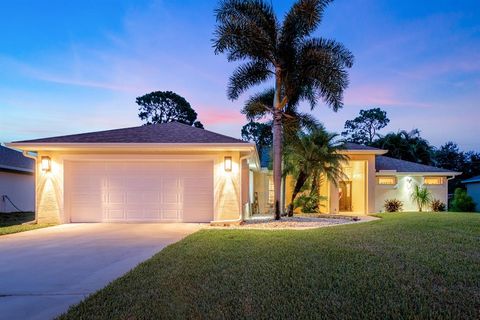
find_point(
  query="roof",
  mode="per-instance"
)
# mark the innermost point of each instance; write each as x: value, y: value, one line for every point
x: 392, y: 164
x: 356, y: 146
x: 472, y: 180
x: 12, y: 160
x: 172, y: 132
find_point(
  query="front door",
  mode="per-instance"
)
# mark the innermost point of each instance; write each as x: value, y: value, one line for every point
x: 345, y: 196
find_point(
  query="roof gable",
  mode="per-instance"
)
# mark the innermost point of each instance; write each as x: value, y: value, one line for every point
x: 358, y: 147
x: 172, y: 132
x: 13, y: 160
x: 383, y: 163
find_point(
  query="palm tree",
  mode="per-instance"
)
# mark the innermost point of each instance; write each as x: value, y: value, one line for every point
x: 421, y: 196
x: 312, y: 155
x: 302, y: 67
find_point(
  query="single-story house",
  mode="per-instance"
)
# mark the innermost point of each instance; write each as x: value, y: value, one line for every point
x: 473, y: 189
x: 17, y: 181
x: 175, y: 172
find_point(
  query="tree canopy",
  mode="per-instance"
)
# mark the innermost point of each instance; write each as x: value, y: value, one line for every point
x: 364, y: 128
x: 166, y: 106
x: 404, y: 145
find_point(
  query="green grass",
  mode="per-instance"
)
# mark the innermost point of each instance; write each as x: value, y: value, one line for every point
x: 405, y: 266
x: 13, y: 222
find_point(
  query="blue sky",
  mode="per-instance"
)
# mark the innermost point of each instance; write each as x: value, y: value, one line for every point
x: 77, y: 66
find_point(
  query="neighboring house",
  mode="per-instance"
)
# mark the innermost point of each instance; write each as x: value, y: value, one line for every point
x: 17, y: 181
x: 473, y: 189
x: 175, y: 172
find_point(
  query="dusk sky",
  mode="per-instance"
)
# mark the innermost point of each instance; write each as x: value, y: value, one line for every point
x: 77, y: 66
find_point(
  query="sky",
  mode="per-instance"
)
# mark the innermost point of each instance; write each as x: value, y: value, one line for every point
x: 77, y: 66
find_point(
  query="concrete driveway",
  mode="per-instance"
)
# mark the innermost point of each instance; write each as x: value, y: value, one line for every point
x: 43, y: 272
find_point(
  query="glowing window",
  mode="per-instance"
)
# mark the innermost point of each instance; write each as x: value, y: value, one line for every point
x: 433, y: 180
x: 271, y: 193
x: 387, y: 180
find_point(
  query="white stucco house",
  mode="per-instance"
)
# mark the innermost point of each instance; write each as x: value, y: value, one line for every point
x: 177, y: 173
x: 17, y: 181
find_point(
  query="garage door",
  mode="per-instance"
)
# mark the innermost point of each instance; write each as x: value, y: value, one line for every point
x: 148, y: 191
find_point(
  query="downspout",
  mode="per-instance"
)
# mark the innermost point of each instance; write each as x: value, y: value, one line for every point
x: 242, y: 216
x: 35, y: 158
x: 446, y: 196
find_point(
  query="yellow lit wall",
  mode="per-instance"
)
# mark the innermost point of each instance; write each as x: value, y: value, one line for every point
x: 50, y: 185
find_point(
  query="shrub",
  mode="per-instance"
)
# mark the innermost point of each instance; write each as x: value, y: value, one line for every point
x: 393, y: 205
x: 308, y: 202
x: 438, y: 206
x: 462, y: 202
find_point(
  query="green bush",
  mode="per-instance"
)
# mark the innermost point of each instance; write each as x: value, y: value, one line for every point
x: 308, y: 202
x: 462, y: 202
x: 438, y: 206
x: 393, y: 205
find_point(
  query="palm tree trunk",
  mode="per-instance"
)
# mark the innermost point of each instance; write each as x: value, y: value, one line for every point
x: 302, y: 177
x: 277, y: 145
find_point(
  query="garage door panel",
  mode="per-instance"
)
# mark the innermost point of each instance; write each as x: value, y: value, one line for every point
x: 140, y: 191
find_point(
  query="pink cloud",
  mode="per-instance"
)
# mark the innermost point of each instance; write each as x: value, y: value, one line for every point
x: 213, y: 116
x: 378, y: 95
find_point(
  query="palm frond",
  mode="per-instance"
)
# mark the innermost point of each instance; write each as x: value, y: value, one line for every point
x: 302, y: 19
x: 259, y: 105
x: 245, y: 29
x: 247, y: 75
x: 322, y: 71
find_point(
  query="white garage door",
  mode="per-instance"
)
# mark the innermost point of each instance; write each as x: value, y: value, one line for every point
x: 109, y: 191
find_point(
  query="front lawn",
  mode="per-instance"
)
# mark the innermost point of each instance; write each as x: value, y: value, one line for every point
x: 407, y: 265
x: 13, y: 222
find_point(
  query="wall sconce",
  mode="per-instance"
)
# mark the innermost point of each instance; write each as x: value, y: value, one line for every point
x: 46, y: 164
x: 227, y: 164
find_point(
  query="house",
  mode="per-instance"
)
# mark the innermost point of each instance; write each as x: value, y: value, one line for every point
x: 473, y: 189
x: 17, y: 181
x: 168, y: 172
x: 175, y: 172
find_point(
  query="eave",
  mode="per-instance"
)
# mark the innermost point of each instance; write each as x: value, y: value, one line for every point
x: 34, y: 147
x: 397, y: 173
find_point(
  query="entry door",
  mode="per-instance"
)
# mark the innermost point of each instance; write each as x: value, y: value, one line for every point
x: 345, y: 196
x: 148, y: 191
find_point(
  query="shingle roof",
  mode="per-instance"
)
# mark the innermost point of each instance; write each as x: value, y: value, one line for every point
x: 355, y: 146
x: 472, y: 180
x: 172, y: 132
x: 13, y: 160
x: 387, y: 163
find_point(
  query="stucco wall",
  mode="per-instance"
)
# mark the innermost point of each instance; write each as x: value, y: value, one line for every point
x: 260, y: 187
x: 50, y: 185
x: 473, y: 190
x: 403, y: 190
x: 369, y: 190
x: 20, y: 188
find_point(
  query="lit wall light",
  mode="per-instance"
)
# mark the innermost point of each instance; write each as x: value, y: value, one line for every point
x: 46, y: 164
x: 228, y: 164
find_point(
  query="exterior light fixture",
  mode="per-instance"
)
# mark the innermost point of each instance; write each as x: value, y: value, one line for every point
x: 46, y: 164
x: 227, y: 164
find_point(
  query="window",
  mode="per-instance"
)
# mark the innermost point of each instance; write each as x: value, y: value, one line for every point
x: 387, y: 180
x: 271, y: 193
x: 433, y: 180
